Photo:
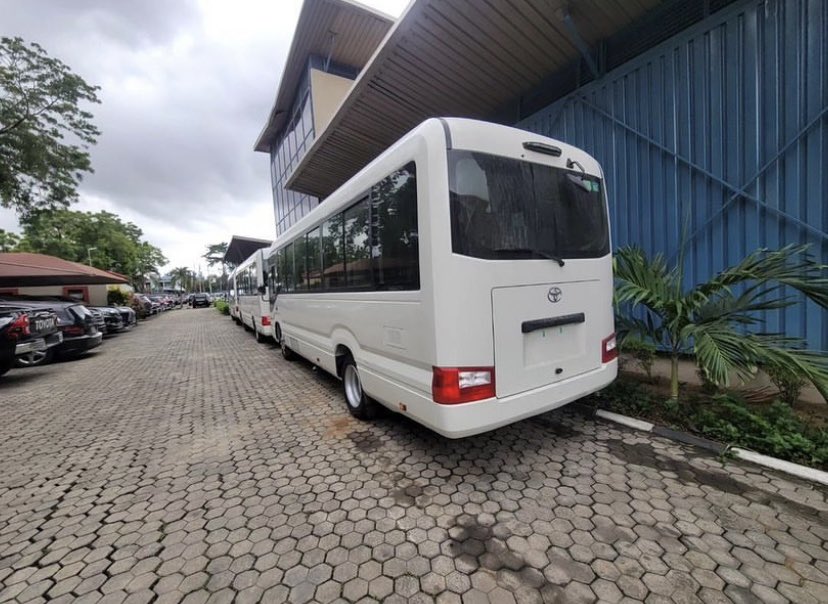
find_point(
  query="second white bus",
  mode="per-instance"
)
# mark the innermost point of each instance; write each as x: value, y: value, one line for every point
x: 462, y: 278
x: 251, y: 306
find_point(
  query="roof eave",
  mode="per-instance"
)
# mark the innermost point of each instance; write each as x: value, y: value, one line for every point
x: 267, y: 134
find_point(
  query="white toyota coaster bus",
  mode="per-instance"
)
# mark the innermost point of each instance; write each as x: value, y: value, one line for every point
x: 252, y: 307
x: 462, y: 278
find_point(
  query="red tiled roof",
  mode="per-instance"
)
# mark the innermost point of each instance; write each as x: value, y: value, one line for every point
x: 22, y: 269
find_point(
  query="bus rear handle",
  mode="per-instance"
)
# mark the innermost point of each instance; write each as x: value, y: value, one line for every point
x: 530, y: 326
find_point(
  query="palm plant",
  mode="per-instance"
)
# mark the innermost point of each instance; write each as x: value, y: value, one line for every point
x: 713, y: 319
x: 181, y: 276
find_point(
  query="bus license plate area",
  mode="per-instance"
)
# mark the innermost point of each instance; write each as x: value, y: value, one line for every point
x: 553, y: 346
x: 539, y: 342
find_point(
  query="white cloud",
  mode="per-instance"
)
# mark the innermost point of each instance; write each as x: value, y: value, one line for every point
x: 185, y: 89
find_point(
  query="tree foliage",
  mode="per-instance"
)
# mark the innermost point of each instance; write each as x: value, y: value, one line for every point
x: 103, y: 237
x: 719, y: 320
x: 215, y: 253
x: 44, y: 131
x: 8, y: 241
x: 183, y: 277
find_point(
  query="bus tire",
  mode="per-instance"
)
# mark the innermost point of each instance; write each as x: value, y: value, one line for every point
x: 360, y: 406
x: 287, y: 353
x: 260, y: 338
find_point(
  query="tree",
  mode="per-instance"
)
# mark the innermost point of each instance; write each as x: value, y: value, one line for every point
x: 8, y: 241
x: 111, y: 243
x: 712, y: 320
x: 44, y: 132
x: 215, y: 255
x: 182, y: 276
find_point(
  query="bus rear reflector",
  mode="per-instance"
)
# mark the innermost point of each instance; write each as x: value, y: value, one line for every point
x: 452, y: 385
x: 265, y: 321
x: 609, y: 349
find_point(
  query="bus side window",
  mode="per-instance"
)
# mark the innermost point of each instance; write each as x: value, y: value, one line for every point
x: 395, y: 241
x: 358, y: 246
x: 333, y: 267
x: 287, y: 268
x: 314, y: 255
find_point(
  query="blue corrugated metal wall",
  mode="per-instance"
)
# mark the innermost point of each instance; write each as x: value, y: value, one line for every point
x: 725, y: 125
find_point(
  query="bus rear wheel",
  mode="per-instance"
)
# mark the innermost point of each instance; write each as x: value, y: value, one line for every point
x: 360, y: 406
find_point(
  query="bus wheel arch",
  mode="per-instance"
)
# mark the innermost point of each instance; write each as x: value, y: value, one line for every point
x: 342, y: 354
x: 277, y: 333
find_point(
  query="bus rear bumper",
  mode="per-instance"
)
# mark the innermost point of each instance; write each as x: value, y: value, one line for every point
x: 468, y: 419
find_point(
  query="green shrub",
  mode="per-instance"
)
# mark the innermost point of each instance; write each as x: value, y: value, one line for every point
x: 117, y: 297
x: 222, y: 306
x: 642, y: 353
x: 787, y: 382
x: 773, y: 429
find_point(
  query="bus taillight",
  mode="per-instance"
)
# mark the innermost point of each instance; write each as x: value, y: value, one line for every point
x: 452, y: 385
x: 609, y: 349
x: 265, y: 321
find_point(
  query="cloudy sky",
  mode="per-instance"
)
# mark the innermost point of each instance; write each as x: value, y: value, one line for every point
x: 186, y: 86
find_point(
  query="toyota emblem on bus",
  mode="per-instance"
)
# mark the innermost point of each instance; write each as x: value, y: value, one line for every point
x: 554, y: 294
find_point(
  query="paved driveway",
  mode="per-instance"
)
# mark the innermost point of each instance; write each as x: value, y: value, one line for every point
x: 184, y: 461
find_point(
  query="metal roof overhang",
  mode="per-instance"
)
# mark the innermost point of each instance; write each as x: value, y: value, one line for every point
x: 240, y: 248
x: 33, y: 270
x: 358, y: 31
x: 445, y: 58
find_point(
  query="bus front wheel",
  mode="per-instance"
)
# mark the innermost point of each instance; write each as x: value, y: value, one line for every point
x: 360, y: 406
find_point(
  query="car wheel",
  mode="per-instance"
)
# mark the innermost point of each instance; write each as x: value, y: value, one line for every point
x: 33, y: 359
x: 360, y: 406
x: 287, y: 353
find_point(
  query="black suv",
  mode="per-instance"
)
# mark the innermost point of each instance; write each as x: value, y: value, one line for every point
x: 199, y: 300
x: 74, y: 320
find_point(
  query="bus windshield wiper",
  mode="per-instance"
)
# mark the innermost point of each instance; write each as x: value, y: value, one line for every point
x: 527, y: 250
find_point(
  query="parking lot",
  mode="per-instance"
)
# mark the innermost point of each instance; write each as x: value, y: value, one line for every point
x: 188, y: 462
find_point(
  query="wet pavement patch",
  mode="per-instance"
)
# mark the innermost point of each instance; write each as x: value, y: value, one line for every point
x: 365, y: 442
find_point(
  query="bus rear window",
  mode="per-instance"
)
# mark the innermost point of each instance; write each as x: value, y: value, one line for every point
x: 503, y: 208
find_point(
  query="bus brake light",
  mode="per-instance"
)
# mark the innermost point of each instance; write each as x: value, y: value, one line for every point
x: 265, y: 321
x: 453, y: 385
x: 609, y: 349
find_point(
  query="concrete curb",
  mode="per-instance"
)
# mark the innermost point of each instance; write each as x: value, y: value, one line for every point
x: 780, y: 465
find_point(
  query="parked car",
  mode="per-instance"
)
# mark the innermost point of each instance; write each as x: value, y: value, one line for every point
x: 75, y: 321
x: 98, y: 319
x: 113, y: 323
x: 26, y: 334
x: 128, y: 316
x: 161, y: 301
x: 143, y: 304
x: 199, y: 300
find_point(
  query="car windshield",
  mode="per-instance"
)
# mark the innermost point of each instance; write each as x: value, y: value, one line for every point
x: 503, y: 208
